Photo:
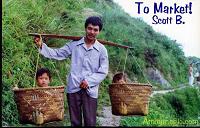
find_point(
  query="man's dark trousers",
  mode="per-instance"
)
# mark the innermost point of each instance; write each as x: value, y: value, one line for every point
x: 81, y: 102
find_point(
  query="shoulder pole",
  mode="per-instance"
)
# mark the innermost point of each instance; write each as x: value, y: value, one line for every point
x: 78, y: 38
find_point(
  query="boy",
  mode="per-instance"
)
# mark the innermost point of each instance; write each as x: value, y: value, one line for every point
x: 119, y: 78
x: 43, y: 77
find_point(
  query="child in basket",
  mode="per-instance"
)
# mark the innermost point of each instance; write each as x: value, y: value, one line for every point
x: 43, y: 77
x: 119, y: 78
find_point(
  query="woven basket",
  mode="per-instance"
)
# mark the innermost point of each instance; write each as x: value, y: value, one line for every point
x: 40, y: 105
x: 130, y: 99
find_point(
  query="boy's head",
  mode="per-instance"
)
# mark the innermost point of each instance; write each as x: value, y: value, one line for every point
x: 119, y: 78
x: 43, y: 77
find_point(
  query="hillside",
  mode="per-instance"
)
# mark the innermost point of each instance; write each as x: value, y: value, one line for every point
x: 151, y: 50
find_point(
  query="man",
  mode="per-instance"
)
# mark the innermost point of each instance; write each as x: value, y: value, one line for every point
x: 191, y: 77
x: 89, y: 66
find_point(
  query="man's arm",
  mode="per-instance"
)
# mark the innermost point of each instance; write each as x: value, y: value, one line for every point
x: 58, y: 53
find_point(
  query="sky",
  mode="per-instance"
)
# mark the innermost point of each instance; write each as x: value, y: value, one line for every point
x: 187, y: 34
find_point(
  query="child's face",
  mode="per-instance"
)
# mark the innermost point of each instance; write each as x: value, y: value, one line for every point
x: 43, y: 80
x: 121, y: 81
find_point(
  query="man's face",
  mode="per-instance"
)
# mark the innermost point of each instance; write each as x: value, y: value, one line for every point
x: 43, y: 80
x: 92, y: 31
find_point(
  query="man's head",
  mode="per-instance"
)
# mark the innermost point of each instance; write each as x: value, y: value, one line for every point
x: 43, y: 77
x: 95, y: 21
x: 93, y: 25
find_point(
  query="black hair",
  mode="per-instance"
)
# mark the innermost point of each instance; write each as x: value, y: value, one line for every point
x: 118, y: 77
x: 42, y: 71
x: 94, y: 20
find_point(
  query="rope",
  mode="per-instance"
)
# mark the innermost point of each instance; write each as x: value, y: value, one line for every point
x: 125, y: 60
x: 34, y: 84
x: 118, y: 64
x: 38, y: 55
x: 57, y: 72
x: 139, y: 67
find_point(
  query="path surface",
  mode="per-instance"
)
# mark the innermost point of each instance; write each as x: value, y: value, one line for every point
x: 166, y: 91
x: 108, y: 119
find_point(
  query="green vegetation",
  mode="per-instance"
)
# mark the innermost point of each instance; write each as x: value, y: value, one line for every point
x: 19, y: 54
x: 179, y: 108
x: 151, y: 49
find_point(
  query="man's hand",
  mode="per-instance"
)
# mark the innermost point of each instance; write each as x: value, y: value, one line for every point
x: 38, y: 41
x: 84, y: 84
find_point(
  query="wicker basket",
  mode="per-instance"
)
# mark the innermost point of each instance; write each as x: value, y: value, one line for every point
x: 40, y: 105
x: 130, y: 99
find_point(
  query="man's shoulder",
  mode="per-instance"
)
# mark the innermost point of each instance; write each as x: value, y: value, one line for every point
x: 77, y: 42
x: 101, y: 46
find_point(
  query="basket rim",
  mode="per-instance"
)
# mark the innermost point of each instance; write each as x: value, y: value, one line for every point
x: 134, y: 83
x: 38, y: 88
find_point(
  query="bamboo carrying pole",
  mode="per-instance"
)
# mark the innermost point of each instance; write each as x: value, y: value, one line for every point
x: 78, y: 38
